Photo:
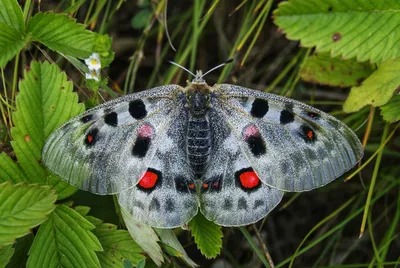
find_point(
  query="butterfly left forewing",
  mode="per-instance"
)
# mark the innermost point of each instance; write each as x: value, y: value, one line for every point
x: 292, y: 146
x: 107, y: 149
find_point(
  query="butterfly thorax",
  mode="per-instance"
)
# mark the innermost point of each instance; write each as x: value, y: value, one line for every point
x: 198, y: 130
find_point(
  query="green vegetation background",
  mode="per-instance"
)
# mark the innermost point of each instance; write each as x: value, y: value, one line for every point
x: 340, y: 56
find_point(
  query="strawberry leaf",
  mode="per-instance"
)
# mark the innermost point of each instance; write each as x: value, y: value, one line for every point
x: 44, y: 102
x: 61, y: 33
x: 5, y: 255
x: 65, y: 240
x: 23, y: 207
x: 207, y: 235
x: 10, y: 171
x: 367, y: 30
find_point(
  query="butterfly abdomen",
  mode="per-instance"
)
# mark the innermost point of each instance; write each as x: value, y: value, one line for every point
x: 198, y: 143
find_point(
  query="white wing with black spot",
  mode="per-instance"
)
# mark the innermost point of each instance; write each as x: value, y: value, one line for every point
x: 108, y: 148
x: 290, y: 145
x: 231, y: 192
x: 172, y: 201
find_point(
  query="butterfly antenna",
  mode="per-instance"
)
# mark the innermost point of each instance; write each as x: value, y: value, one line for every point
x: 180, y: 66
x: 216, y: 67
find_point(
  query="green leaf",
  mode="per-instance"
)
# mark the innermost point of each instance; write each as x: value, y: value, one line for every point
x: 169, y: 238
x: 144, y: 236
x: 140, y: 19
x: 102, y: 45
x: 10, y: 171
x: 11, y: 42
x: 11, y: 14
x: 118, y: 245
x: 65, y: 240
x: 391, y: 111
x: 364, y: 29
x: 44, y: 102
x: 377, y: 89
x: 207, y: 235
x: 322, y: 69
x: 5, y: 255
x: 61, y: 33
x: 21, y: 247
x: 23, y: 207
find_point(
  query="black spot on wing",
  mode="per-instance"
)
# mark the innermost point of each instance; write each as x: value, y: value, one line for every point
x: 258, y: 203
x: 256, y: 145
x: 286, y: 117
x: 307, y: 133
x: 259, y: 108
x: 313, y: 115
x: 213, y: 184
x: 87, y: 118
x: 242, y: 203
x: 141, y: 146
x: 137, y: 109
x: 154, y: 205
x: 111, y: 119
x: 91, y: 137
x: 169, y: 205
x: 227, y: 204
x: 182, y: 185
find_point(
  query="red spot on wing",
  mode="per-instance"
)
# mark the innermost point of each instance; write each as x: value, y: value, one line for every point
x: 148, y: 180
x: 205, y: 185
x: 191, y: 185
x: 249, y: 179
x: 310, y: 134
x: 90, y: 138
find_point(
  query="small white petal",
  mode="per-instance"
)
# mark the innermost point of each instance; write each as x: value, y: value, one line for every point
x: 94, y: 74
x: 93, y: 62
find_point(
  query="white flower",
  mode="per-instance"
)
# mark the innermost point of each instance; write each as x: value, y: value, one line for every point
x: 94, y: 74
x: 93, y: 62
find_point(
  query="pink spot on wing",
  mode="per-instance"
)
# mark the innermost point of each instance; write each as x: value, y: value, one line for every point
x: 250, y: 131
x: 145, y: 131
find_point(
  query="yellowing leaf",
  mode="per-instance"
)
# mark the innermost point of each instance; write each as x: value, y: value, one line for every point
x: 322, y: 69
x: 377, y: 89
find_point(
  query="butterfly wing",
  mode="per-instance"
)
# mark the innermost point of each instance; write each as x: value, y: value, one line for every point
x: 108, y: 148
x: 291, y: 146
x: 172, y: 201
x: 231, y: 193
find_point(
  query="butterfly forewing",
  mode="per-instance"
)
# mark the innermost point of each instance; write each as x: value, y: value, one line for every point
x: 107, y: 149
x: 292, y: 146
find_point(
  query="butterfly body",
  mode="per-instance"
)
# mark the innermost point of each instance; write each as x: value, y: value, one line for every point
x: 225, y: 149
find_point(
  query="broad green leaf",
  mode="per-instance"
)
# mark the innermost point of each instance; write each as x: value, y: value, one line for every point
x: 168, y: 237
x: 11, y: 14
x: 377, y: 89
x: 391, y: 111
x: 61, y: 33
x: 118, y: 245
x: 367, y: 30
x: 144, y: 236
x: 21, y: 247
x: 23, y: 207
x: 44, y: 102
x: 65, y: 240
x: 322, y: 69
x: 10, y: 171
x: 6, y: 253
x: 11, y: 42
x: 207, y: 235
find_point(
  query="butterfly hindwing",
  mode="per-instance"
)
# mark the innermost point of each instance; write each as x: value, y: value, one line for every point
x: 107, y: 149
x: 291, y: 146
x: 171, y: 201
x: 231, y: 193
